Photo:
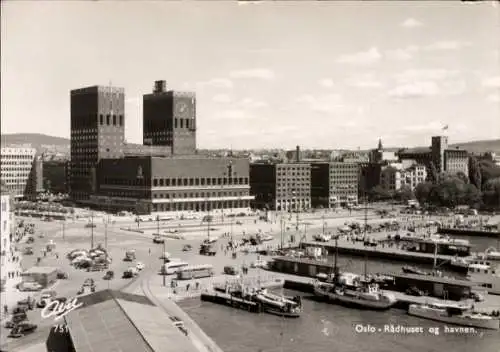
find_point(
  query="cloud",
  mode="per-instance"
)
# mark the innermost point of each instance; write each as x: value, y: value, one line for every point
x: 430, y: 126
x: 402, y: 54
x: 251, y: 103
x: 221, y: 98
x: 492, y: 82
x: 362, y: 58
x: 425, y: 74
x: 364, y: 81
x: 447, y: 45
x: 415, y: 90
x: 326, y: 82
x: 494, y: 97
x: 329, y: 103
x: 217, y: 83
x: 259, y: 73
x: 233, y: 114
x: 411, y: 23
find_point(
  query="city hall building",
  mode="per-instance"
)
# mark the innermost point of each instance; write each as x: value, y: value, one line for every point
x: 165, y: 174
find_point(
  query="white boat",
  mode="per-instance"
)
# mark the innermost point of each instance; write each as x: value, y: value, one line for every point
x: 491, y: 253
x: 368, y: 297
x: 279, y: 305
x: 454, y: 314
x: 459, y: 263
x: 486, y: 275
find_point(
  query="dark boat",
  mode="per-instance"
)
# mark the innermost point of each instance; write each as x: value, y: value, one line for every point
x: 412, y: 270
x: 290, y: 307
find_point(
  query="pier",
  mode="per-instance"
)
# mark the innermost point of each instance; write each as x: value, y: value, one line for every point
x: 468, y: 232
x: 388, y: 253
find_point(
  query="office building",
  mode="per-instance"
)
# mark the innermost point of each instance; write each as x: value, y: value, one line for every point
x: 439, y: 157
x: 281, y: 186
x: 21, y: 171
x: 396, y: 176
x: 169, y: 119
x: 97, y: 132
x: 165, y: 174
x: 56, y: 176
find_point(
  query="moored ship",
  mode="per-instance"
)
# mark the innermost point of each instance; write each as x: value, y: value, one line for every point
x: 285, y: 306
x: 367, y: 297
x: 454, y: 314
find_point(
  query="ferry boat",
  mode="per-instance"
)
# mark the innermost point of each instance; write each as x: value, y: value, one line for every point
x: 367, y: 297
x: 454, y: 314
x: 290, y: 307
x: 485, y: 274
x: 412, y: 270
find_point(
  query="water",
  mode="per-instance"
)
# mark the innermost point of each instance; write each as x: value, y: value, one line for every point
x: 330, y: 328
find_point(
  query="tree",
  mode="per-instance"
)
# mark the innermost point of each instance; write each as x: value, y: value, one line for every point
x: 488, y: 171
x: 475, y: 176
x: 423, y: 191
x: 404, y: 194
x: 434, y: 173
x: 379, y: 193
x: 491, y: 192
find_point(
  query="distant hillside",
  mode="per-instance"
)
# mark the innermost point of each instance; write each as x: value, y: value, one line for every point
x: 492, y: 145
x: 37, y: 140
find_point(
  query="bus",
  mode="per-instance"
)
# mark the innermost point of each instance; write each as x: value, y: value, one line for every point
x: 173, y: 267
x: 195, y: 272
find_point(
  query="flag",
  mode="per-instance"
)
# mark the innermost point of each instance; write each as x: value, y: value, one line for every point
x: 445, y: 128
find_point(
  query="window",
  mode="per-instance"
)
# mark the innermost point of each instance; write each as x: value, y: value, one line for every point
x: 174, y: 182
x: 175, y: 123
x: 114, y: 120
x: 182, y: 123
x: 161, y: 182
x: 107, y: 120
x: 121, y: 120
x: 101, y: 119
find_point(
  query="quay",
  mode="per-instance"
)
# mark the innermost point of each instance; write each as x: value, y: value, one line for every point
x: 468, y: 232
x: 388, y: 253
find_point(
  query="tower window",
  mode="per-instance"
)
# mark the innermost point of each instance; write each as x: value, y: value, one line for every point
x: 182, y: 123
x: 121, y: 120
x: 107, y: 120
x: 101, y: 119
x: 114, y: 120
x: 175, y: 123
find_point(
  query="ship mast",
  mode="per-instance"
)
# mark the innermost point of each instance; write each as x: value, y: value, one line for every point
x: 364, y: 237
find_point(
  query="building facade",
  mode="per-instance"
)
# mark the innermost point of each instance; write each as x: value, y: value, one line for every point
x: 21, y: 171
x: 281, y: 186
x: 169, y: 119
x: 344, y: 183
x: 395, y: 176
x: 173, y: 184
x: 56, y: 176
x: 456, y: 160
x: 97, y: 132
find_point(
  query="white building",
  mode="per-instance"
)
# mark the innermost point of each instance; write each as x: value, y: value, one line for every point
x: 21, y: 171
x: 395, y: 176
x: 5, y: 238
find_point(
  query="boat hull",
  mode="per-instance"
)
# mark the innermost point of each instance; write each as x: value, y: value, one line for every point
x: 352, y: 301
x: 492, y: 324
x: 231, y: 301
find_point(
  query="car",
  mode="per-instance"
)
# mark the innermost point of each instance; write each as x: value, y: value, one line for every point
x: 259, y: 264
x: 16, y: 319
x: 414, y: 291
x: 22, y: 329
x: 109, y: 275
x: 139, y: 266
x: 62, y: 275
x: 88, y: 282
x: 477, y: 297
x: 158, y: 239
x: 90, y: 225
x: 29, y: 286
x: 187, y: 248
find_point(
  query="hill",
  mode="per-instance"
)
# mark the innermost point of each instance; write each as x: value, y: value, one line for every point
x: 39, y: 141
x: 491, y: 145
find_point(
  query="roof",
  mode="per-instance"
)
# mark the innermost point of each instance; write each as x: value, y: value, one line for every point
x: 124, y: 323
x: 436, y: 279
x: 40, y: 270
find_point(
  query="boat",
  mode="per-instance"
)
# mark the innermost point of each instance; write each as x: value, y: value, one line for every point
x: 367, y: 297
x: 491, y: 253
x: 454, y: 314
x: 485, y: 274
x: 290, y: 307
x: 412, y: 270
x: 459, y: 263
x: 349, y: 289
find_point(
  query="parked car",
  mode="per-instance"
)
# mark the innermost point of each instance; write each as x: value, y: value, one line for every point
x: 29, y: 286
x: 414, y: 291
x: 109, y: 275
x: 476, y: 296
x: 16, y: 319
x: 22, y: 329
x: 62, y: 275
x: 187, y: 248
x: 158, y: 239
x: 231, y: 270
x: 89, y: 225
x: 139, y: 266
x: 28, y: 251
x: 88, y: 282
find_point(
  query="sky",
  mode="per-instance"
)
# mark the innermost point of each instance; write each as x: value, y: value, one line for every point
x: 274, y: 74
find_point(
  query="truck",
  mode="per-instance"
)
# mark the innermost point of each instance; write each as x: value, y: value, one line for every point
x: 208, y: 249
